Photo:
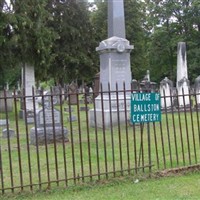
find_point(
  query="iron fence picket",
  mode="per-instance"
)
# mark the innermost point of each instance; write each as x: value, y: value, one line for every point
x: 125, y: 148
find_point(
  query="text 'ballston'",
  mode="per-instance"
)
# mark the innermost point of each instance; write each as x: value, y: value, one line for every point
x: 146, y: 107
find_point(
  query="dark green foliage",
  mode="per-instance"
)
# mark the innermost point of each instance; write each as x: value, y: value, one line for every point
x: 171, y: 22
x: 73, y: 50
x: 59, y: 38
x: 34, y: 39
x: 9, y: 72
x: 134, y: 18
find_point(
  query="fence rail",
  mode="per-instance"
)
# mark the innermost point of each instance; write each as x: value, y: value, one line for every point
x: 54, y: 143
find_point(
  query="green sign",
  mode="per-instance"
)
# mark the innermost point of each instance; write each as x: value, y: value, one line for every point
x: 145, y: 107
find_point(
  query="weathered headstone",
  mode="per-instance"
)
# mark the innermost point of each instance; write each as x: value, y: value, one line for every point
x: 59, y: 94
x: 114, y: 68
x: 183, y: 93
x: 48, y: 125
x: 7, y: 86
x: 8, y: 133
x: 72, y: 118
x: 197, y: 92
x: 182, y: 82
x: 3, y: 122
x: 166, y: 86
x: 72, y: 94
x: 146, y: 85
x: 135, y: 85
x: 96, y: 85
x: 8, y: 104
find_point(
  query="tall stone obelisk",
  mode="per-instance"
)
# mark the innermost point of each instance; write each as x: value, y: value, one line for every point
x: 114, y: 69
x: 116, y: 20
x: 181, y: 62
x: 182, y: 82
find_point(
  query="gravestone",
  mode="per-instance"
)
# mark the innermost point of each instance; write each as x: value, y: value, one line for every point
x: 72, y: 94
x: 8, y: 106
x: 3, y: 122
x: 197, y: 92
x: 114, y: 68
x: 96, y: 85
x: 7, y: 86
x: 135, y: 85
x: 147, y: 76
x: 183, y: 93
x: 48, y: 125
x: 57, y: 91
x: 146, y: 85
x: 166, y: 86
x: 182, y: 82
x: 72, y: 118
x: 88, y: 95
x: 8, y: 133
x: 28, y: 82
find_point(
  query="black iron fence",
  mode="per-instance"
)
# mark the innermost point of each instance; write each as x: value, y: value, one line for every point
x: 52, y: 139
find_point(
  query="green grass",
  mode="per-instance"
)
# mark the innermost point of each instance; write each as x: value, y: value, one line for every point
x: 185, y: 187
x: 104, y: 151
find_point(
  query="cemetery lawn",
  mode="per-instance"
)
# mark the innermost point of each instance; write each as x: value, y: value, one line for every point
x: 173, y: 187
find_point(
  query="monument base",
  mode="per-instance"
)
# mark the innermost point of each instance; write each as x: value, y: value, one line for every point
x: 47, y: 136
x: 114, y: 111
x: 114, y: 115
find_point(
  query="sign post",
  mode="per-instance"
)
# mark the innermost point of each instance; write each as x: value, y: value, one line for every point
x: 145, y: 107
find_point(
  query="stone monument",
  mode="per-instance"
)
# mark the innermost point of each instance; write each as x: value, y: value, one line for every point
x: 59, y: 93
x: 146, y: 85
x: 197, y: 92
x: 72, y: 94
x: 28, y: 82
x: 96, y: 85
x: 48, y: 124
x: 114, y: 69
x: 166, y: 87
x: 8, y: 133
x: 182, y: 82
x: 8, y: 105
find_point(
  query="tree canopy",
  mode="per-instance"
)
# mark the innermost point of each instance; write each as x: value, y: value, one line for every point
x: 59, y: 37
x: 171, y: 22
x: 73, y: 51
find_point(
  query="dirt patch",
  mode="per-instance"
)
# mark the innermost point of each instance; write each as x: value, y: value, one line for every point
x: 178, y: 171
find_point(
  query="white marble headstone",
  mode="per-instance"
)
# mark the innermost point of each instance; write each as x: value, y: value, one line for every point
x: 165, y: 92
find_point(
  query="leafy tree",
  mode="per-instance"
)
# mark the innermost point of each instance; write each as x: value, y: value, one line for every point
x: 73, y: 49
x: 9, y: 72
x: 32, y: 36
x: 171, y: 22
x: 137, y: 35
